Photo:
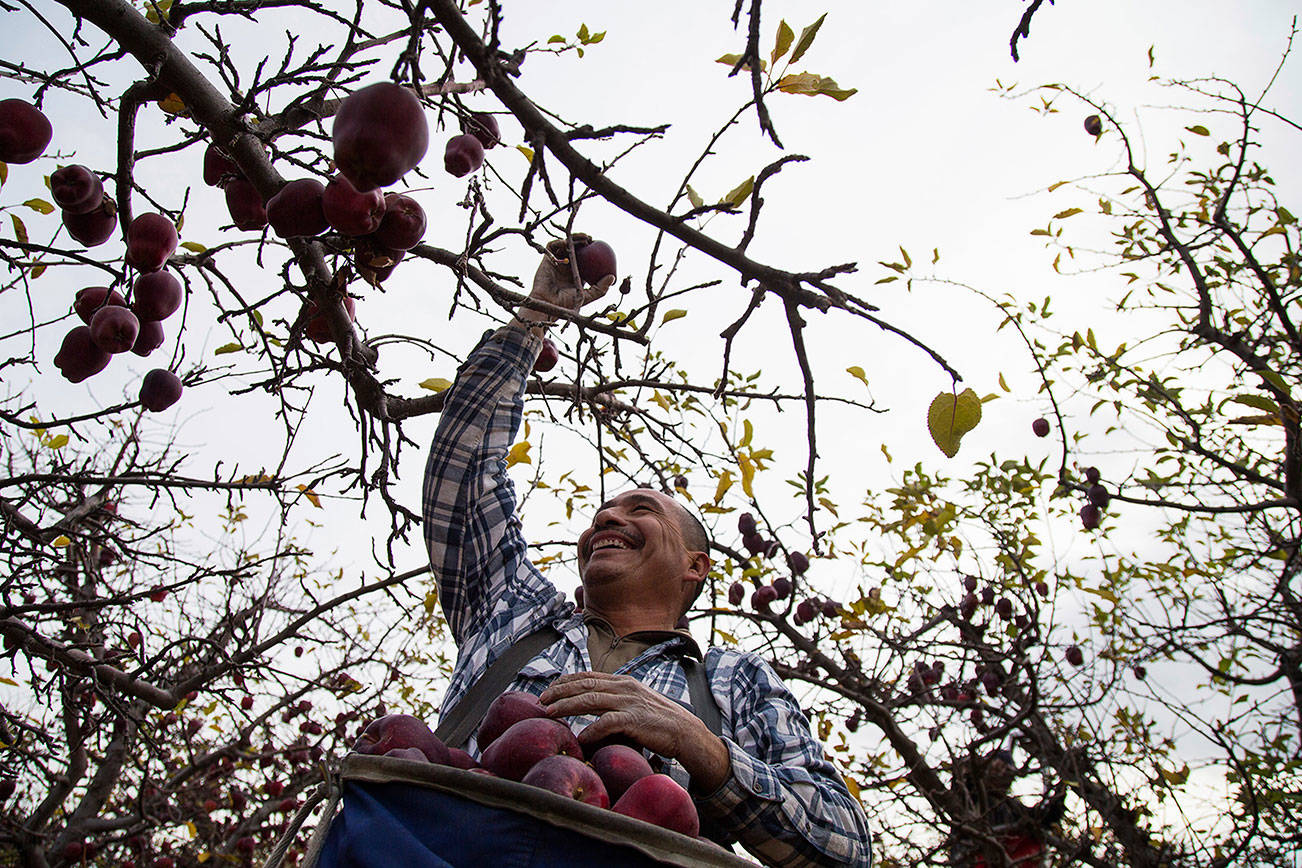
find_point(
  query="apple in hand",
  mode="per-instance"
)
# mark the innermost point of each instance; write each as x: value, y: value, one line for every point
x: 397, y: 731
x: 660, y: 800
x: 80, y: 357
x: 569, y: 777
x: 595, y: 260
x: 76, y: 189
x: 619, y: 767
x: 525, y: 743
x: 380, y: 134
x: 151, y: 239
x: 25, y: 131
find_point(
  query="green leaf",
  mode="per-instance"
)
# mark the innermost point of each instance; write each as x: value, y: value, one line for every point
x: 435, y: 384
x: 596, y: 37
x: 39, y: 205
x: 1198, y: 130
x: 193, y: 246
x: 57, y: 442
x: 556, y: 38
x: 20, y: 229
x: 807, y: 38
x: 227, y: 348
x: 950, y: 417
x: 739, y: 194
x: 1257, y: 402
x: 4, y: 172
x: 694, y: 197
x: 814, y: 85
x: 583, y: 33
x: 1063, y: 215
x: 671, y: 315
x: 785, y: 35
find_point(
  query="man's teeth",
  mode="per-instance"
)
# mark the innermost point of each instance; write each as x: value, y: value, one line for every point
x: 610, y: 543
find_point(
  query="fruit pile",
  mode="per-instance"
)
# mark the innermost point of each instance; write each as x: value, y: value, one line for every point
x: 519, y: 742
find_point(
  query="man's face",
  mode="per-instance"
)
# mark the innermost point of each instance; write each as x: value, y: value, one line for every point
x: 635, y: 538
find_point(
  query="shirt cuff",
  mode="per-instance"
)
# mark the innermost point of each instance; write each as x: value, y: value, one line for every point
x: 749, y: 779
x: 514, y: 344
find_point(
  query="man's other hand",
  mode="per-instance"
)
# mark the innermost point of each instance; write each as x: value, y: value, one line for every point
x: 554, y: 283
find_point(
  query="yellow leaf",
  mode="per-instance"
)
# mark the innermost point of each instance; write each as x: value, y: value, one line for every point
x: 732, y: 59
x: 20, y: 229
x: 747, y: 432
x: 739, y: 194
x: 671, y: 315
x: 310, y: 495
x: 950, y: 417
x: 857, y: 372
x: 227, y: 348
x: 528, y: 152
x: 435, y: 384
x: 58, y: 441
x: 747, y: 474
x: 1199, y: 130
x: 694, y: 197
x: 811, y: 84
x: 39, y: 205
x: 8, y: 681
x: 1063, y: 215
x: 173, y: 105
x: 807, y: 38
x: 1002, y: 384
x: 661, y: 400
x: 193, y: 246
x: 727, y: 637
x: 194, y: 832
x: 519, y: 454
x: 785, y: 35
x: 60, y: 541
x: 725, y: 482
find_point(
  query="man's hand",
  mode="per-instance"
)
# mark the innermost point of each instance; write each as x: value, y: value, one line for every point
x: 654, y: 721
x: 554, y: 284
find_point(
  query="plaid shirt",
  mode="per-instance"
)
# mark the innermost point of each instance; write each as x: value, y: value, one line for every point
x: 784, y: 801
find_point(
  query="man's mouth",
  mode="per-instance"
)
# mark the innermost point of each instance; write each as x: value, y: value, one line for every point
x: 607, y: 541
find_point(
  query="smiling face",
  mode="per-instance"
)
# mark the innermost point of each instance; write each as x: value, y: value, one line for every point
x: 636, y: 549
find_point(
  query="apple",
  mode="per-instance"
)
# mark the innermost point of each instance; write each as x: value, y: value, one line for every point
x: 782, y: 587
x: 1042, y: 588
x: 380, y: 134
x: 463, y: 155
x: 746, y: 524
x: 1004, y: 608
x: 76, y: 189
x: 318, y: 328
x: 350, y: 211
x: 762, y: 597
x: 1092, y: 475
x: 547, y: 357
x: 512, y: 754
x: 151, y: 239
x: 680, y: 482
x: 403, y: 224
x: 509, y: 708
x: 408, y: 753
x: 218, y: 168
x: 1074, y: 655
x: 296, y: 211
x: 94, y: 227
x: 1040, y: 427
x: 398, y: 731
x: 755, y: 544
x: 1094, y: 125
x: 92, y: 298
x: 805, y: 612
x: 25, y: 131
x: 150, y: 338
x: 1090, y: 516
x: 482, y: 126
x: 246, y: 703
x: 660, y: 800
x: 619, y: 767
x: 156, y: 296
x: 159, y: 389
x: 244, y: 204
x: 596, y: 260
x: 1098, y: 495
x: 459, y: 759
x: 114, y: 328
x: 134, y: 638
x: 967, y: 608
x: 987, y: 596
x: 798, y: 563
x: 736, y: 592
x: 569, y: 777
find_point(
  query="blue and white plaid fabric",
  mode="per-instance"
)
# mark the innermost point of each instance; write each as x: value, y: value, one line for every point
x: 785, y: 802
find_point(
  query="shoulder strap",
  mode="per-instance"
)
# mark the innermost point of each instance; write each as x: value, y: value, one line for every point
x: 455, y: 727
x: 703, y: 704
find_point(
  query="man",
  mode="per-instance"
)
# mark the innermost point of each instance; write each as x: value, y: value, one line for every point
x: 617, y: 667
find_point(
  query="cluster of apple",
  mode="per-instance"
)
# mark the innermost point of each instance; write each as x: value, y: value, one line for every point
x: 1003, y: 605
x: 113, y: 326
x: 519, y: 742
x: 1091, y: 514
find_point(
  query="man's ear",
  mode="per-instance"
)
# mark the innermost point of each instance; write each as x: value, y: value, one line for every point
x: 698, y: 567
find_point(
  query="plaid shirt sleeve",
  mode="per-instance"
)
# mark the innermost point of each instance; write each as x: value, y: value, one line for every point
x: 784, y: 801
x: 476, y: 547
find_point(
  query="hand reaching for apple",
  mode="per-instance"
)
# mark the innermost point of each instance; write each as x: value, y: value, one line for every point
x: 626, y: 706
x: 554, y: 284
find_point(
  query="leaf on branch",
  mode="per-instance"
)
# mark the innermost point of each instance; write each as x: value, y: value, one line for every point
x: 310, y: 495
x: 174, y: 105
x: 435, y: 384
x: 57, y: 442
x: 671, y: 315
x: 785, y: 35
x: 734, y: 59
x: 811, y: 84
x: 1257, y: 402
x: 1063, y: 215
x: 1198, y: 130
x: 519, y: 454
x: 858, y: 373
x: 224, y: 349
x: 694, y: 197
x: 528, y: 152
x: 748, y: 432
x: 39, y: 205
x: 193, y: 246
x: 555, y: 38
x: 739, y: 194
x: 4, y: 172
x: 1256, y: 420
x: 61, y: 541
x: 157, y: 9
x: 747, y: 474
x: 950, y: 417
x: 725, y: 482
x: 20, y: 229
x: 807, y: 38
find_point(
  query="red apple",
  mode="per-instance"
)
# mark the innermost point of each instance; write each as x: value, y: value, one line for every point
x: 459, y: 759
x: 149, y: 339
x: 482, y: 126
x: 399, y: 731
x: 414, y: 754
x: 463, y: 155
x: 159, y: 390
x: 1094, y: 125
x: 547, y: 357
x: 736, y: 592
x: 80, y: 357
x: 660, y: 800
x: 350, y: 211
x: 218, y: 168
x: 619, y: 766
x: 1074, y: 655
x: 1040, y: 427
x: 114, y: 328
x: 525, y: 743
x: 296, y: 210
x: 596, y: 260
x: 509, y: 708
x: 151, y: 239
x: 76, y: 189
x: 156, y: 296
x: 244, y: 203
x: 762, y: 597
x: 92, y: 298
x: 94, y: 227
x: 403, y: 224
x: 380, y: 134
x: 569, y: 777
x: 24, y: 131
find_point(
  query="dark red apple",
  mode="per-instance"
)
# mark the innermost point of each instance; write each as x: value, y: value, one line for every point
x: 509, y: 708
x: 482, y: 126
x: 349, y: 210
x: 596, y: 261
x: 151, y: 239
x: 149, y: 339
x: 401, y: 730
x: 156, y: 296
x: 805, y: 612
x: 736, y: 593
x: 782, y: 587
x: 463, y: 155
x: 1094, y: 125
x: 1074, y: 655
x: 459, y: 759
x: 408, y: 753
x: 548, y: 356
x: 318, y: 328
x: 746, y: 524
x: 403, y: 224
x: 831, y: 608
x: 79, y: 356
x: 76, y: 189
x: 92, y: 298
x: 296, y: 210
x: 660, y: 800
x: 619, y: 767
x: 798, y: 563
x: 25, y: 131
x: 525, y: 743
x: 754, y: 543
x: 218, y: 168
x: 762, y: 597
x: 569, y: 777
x: 1090, y: 516
x: 1098, y: 495
x: 244, y: 203
x: 159, y: 390
x: 380, y: 134
x: 1092, y: 475
x: 1040, y: 427
x: 94, y: 227
x: 114, y: 328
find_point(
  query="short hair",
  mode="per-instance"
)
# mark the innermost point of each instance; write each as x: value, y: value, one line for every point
x: 697, y: 539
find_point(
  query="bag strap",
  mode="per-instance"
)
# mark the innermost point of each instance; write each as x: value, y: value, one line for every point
x: 455, y: 727
x: 703, y: 704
